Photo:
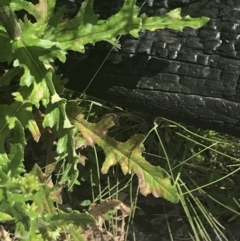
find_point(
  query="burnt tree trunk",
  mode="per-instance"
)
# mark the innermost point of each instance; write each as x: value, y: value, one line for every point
x: 190, y: 76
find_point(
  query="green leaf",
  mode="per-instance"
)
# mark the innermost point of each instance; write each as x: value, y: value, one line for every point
x: 128, y: 155
x: 41, y: 11
x: 74, y: 217
x: 172, y: 20
x: 15, y: 4
x: 46, y: 201
x: 16, y: 154
x: 15, y: 117
x: 6, y: 52
x: 52, y: 116
x: 17, y: 209
x: 151, y: 179
x: 90, y: 30
x: 84, y: 16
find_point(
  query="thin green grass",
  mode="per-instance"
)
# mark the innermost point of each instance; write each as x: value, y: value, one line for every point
x: 190, y: 168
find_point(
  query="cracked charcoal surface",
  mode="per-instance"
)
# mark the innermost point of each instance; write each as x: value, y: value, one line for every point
x: 190, y: 76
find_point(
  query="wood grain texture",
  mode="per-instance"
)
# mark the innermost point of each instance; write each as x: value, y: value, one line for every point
x: 190, y: 76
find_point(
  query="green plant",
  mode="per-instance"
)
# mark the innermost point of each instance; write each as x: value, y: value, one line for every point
x: 35, y: 105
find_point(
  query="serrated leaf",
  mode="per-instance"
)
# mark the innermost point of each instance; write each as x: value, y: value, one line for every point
x: 30, y: 50
x: 18, y: 4
x: 94, y: 133
x: 128, y: 155
x: 151, y: 179
x: 42, y: 11
x: 86, y: 28
x: 172, y: 20
x: 84, y: 16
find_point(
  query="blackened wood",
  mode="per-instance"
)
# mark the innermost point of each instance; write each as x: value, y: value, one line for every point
x: 190, y: 76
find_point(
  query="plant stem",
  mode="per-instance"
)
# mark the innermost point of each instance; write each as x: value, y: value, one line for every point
x: 10, y: 22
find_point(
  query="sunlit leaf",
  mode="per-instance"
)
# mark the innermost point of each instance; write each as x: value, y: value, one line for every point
x: 172, y: 20
x: 151, y: 179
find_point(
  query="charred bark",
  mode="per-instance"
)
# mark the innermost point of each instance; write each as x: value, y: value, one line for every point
x: 190, y: 76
